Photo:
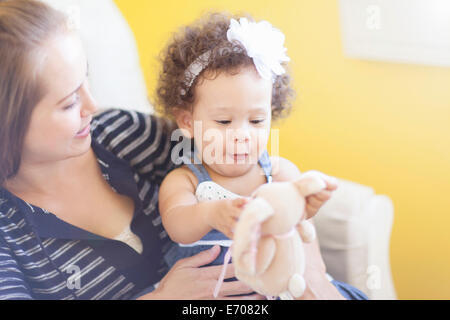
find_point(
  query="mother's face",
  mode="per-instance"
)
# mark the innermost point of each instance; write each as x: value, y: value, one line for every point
x: 59, y: 126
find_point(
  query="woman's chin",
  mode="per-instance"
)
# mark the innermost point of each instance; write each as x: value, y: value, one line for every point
x: 81, y: 146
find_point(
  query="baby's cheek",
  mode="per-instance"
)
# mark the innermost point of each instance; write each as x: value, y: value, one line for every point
x: 261, y: 138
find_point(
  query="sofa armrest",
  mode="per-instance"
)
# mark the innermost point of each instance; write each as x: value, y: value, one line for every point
x: 354, y: 229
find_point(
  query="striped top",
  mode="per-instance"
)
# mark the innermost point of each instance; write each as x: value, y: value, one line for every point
x: 43, y: 257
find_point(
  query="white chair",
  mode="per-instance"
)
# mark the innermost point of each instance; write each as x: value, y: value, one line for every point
x: 354, y: 227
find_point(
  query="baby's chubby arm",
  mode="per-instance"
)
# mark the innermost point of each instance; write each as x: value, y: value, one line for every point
x: 185, y: 219
x: 285, y: 170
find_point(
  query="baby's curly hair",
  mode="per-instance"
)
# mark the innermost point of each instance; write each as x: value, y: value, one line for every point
x: 209, y: 34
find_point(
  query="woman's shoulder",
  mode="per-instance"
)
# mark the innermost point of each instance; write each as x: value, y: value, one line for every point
x: 107, y: 121
x: 7, y: 202
x: 113, y: 113
x: 11, y: 214
x: 143, y: 140
x: 109, y: 124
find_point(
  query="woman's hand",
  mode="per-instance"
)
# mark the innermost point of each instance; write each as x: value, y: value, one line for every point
x: 224, y: 214
x: 318, y: 287
x: 187, y: 281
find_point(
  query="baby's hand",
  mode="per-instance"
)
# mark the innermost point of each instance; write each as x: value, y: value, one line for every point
x: 224, y: 215
x: 315, y: 201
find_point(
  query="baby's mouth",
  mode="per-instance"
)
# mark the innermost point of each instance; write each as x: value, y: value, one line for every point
x: 240, y: 156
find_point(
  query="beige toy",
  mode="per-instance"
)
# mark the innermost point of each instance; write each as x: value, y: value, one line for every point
x: 267, y: 249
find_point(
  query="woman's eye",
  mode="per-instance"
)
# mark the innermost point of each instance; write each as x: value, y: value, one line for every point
x: 257, y: 121
x: 223, y: 121
x: 70, y: 106
x: 74, y: 103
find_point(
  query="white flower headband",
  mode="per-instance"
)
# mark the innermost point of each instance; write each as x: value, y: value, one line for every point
x: 263, y: 43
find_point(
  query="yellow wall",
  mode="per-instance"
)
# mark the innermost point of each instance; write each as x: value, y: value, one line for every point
x: 385, y: 125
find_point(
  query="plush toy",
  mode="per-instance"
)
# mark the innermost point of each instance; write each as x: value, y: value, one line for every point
x: 267, y: 250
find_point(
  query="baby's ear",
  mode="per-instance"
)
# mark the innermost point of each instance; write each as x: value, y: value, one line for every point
x: 185, y: 122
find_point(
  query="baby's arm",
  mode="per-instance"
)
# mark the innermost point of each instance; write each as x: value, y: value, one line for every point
x: 182, y: 216
x: 285, y: 170
x: 185, y: 219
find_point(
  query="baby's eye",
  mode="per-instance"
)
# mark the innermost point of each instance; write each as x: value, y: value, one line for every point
x: 223, y: 121
x: 258, y: 121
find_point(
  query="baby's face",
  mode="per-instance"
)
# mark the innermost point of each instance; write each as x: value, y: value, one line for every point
x: 231, y: 120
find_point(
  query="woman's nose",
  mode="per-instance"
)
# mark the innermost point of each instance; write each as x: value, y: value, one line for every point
x: 89, y: 105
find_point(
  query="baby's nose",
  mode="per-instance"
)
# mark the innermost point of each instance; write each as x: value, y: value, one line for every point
x: 241, y: 135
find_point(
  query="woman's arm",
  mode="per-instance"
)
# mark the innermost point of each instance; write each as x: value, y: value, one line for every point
x: 143, y: 140
x: 12, y: 281
x: 318, y: 286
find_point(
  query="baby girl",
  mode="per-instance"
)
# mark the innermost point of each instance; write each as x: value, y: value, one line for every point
x: 223, y: 80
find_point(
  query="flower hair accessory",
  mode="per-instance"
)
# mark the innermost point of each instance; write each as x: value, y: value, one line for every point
x: 262, y: 42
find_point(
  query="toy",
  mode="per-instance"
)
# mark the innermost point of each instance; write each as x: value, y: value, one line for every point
x: 267, y: 250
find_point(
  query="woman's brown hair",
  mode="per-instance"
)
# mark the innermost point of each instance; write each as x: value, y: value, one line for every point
x: 24, y: 27
x: 208, y: 34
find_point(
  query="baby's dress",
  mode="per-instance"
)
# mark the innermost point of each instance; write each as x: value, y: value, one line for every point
x: 208, y: 190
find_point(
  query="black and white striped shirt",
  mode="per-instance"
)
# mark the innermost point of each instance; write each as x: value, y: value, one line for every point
x: 43, y: 257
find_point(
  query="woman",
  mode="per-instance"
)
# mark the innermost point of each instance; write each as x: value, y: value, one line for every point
x: 78, y: 192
